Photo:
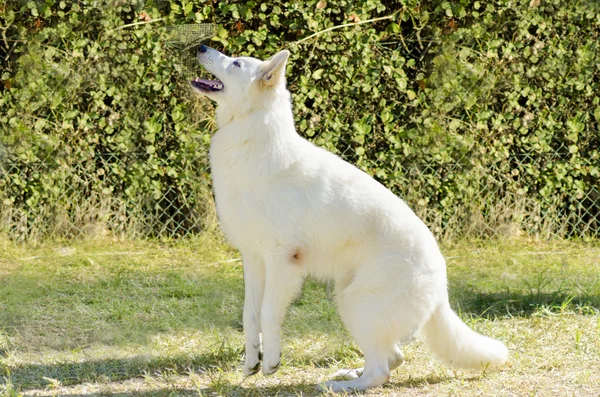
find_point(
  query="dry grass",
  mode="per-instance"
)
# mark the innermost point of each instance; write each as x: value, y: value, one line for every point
x: 110, y: 317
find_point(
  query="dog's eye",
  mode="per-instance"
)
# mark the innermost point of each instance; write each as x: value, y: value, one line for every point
x: 237, y: 63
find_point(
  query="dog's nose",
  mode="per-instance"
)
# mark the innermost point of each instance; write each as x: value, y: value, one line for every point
x: 202, y: 48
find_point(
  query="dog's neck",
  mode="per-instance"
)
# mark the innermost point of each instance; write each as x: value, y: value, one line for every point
x: 261, y: 141
x: 261, y: 126
x: 278, y: 98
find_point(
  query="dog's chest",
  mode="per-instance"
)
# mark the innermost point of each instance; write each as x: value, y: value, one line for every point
x: 240, y: 212
x: 240, y: 196
x: 247, y: 166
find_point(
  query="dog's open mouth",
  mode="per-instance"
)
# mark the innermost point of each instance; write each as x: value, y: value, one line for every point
x: 207, y: 85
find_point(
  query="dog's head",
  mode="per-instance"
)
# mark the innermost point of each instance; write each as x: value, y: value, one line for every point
x: 241, y: 81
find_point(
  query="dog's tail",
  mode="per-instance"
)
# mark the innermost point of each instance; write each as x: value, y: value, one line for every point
x: 457, y: 345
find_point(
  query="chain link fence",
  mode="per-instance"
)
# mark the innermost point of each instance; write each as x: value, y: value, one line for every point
x: 511, y: 204
x: 89, y: 198
x: 94, y: 198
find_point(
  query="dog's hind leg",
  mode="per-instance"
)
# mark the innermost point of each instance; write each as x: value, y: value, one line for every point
x: 363, y: 320
x: 254, y: 286
x: 396, y: 357
x: 378, y: 314
x: 376, y: 371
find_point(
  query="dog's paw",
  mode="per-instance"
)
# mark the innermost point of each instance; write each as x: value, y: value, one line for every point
x: 271, y: 365
x: 272, y: 355
x: 396, y: 360
x: 252, y: 364
x: 271, y: 369
x: 338, y: 387
x: 250, y: 368
x: 348, y: 373
x: 331, y: 386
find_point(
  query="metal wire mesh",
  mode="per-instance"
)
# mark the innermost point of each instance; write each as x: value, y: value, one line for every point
x: 183, y: 41
x: 82, y: 203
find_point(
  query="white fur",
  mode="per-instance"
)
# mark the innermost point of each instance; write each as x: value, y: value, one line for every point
x: 295, y: 210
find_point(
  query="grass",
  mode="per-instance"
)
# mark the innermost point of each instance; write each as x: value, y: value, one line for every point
x: 110, y: 317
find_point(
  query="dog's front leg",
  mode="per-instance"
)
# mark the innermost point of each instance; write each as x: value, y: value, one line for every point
x: 283, y: 282
x: 254, y: 286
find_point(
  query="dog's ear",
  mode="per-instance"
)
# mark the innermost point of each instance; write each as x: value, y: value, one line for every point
x: 273, y: 69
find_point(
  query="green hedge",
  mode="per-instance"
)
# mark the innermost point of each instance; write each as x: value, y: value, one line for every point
x: 466, y: 109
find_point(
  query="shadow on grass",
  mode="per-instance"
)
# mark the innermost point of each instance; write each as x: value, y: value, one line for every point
x: 229, y: 389
x: 421, y: 382
x: 167, y: 392
x: 522, y: 304
x: 106, y: 370
x: 36, y: 376
x: 32, y: 376
x: 313, y: 389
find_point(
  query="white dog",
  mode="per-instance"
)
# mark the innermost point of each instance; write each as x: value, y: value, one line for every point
x: 295, y: 210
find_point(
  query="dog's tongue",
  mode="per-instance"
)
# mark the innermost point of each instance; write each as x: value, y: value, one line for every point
x: 213, y: 85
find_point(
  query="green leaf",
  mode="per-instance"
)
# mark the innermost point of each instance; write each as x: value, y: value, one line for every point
x: 317, y: 74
